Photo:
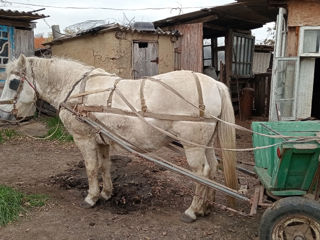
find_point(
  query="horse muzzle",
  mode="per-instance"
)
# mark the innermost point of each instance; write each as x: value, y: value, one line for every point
x: 6, y: 115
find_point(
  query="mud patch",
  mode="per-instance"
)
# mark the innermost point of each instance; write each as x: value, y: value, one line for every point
x: 135, y: 187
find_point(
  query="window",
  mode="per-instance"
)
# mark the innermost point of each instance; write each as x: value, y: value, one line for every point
x: 242, y: 55
x: 213, y: 52
x: 309, y: 41
x: 207, y: 53
x: 284, y: 89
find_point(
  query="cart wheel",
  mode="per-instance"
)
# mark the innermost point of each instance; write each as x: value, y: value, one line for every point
x: 295, y: 218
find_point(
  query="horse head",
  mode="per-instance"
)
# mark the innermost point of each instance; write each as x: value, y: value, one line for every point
x: 19, y: 93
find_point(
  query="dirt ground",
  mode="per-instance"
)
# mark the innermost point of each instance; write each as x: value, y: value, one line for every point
x: 147, y: 201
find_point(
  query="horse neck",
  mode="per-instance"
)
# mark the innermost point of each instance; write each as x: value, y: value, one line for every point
x: 55, y: 78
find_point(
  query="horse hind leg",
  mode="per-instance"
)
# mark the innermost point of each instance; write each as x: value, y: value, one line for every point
x: 105, y: 166
x: 213, y: 163
x: 198, y: 163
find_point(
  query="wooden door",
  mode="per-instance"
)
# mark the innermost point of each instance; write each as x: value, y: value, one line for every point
x: 145, y: 59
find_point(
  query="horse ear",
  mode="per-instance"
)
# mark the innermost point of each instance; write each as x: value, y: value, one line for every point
x: 22, y: 63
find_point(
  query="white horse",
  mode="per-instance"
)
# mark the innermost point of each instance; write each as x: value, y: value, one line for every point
x: 59, y: 80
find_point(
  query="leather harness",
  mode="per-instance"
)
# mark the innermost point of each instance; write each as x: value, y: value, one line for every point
x: 84, y: 110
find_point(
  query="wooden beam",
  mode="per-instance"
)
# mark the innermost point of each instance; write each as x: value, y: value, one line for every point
x: 215, y: 27
x: 203, y: 19
x: 13, y: 23
x: 246, y: 21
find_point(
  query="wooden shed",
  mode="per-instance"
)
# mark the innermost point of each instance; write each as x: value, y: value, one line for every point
x: 130, y: 52
x: 218, y: 41
x: 16, y: 37
x: 295, y: 92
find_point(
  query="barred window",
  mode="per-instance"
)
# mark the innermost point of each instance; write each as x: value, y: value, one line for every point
x: 242, y: 55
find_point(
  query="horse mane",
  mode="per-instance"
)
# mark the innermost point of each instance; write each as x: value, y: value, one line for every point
x: 12, y: 65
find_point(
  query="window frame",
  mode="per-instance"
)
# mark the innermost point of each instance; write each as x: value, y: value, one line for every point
x: 301, y: 40
x: 273, y: 100
x: 211, y: 54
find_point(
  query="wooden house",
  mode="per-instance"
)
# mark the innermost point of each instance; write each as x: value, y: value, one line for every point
x: 16, y: 37
x: 218, y: 41
x: 295, y: 92
x: 130, y: 52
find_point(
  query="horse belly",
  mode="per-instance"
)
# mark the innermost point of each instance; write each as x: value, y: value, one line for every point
x: 135, y: 131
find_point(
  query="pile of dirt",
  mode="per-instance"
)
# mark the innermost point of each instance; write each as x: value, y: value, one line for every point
x: 134, y: 188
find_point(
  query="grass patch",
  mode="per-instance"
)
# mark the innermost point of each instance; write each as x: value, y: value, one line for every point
x: 7, y: 134
x: 10, y: 204
x: 13, y: 203
x: 35, y: 200
x: 56, y: 130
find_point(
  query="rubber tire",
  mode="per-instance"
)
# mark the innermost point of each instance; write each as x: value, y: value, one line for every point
x: 286, y: 207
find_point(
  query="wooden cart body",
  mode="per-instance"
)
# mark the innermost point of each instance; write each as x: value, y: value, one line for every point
x: 288, y: 169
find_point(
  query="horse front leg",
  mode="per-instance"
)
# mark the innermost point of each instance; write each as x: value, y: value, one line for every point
x: 197, y: 160
x: 105, y: 166
x: 89, y: 149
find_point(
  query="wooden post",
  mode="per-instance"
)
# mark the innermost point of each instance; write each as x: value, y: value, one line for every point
x: 214, y: 53
x: 228, y: 56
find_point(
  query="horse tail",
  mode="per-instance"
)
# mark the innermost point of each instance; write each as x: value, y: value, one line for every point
x: 227, y: 138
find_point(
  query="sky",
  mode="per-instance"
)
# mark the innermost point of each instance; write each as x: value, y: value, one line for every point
x: 65, y: 14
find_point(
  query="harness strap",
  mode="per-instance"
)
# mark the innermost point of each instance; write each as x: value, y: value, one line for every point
x: 142, y: 99
x: 199, y: 89
x: 83, y: 85
x: 83, y: 88
x: 20, y: 87
x: 84, y: 110
x: 89, y: 93
x: 11, y: 101
x: 76, y: 83
x: 109, y: 101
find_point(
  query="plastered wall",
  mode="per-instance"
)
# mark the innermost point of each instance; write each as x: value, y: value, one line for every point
x: 112, y: 51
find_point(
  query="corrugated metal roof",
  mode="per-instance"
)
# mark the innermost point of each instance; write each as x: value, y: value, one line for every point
x: 20, y: 15
x: 112, y: 27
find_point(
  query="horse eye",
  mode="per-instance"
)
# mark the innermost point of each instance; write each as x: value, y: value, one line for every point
x: 14, y: 84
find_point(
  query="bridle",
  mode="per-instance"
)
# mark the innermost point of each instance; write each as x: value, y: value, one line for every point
x: 13, y: 101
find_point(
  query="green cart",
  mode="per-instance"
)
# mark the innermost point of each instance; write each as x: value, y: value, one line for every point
x: 290, y: 173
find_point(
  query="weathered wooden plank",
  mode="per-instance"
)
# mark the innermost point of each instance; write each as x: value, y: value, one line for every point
x: 303, y: 13
x: 24, y: 42
x: 292, y: 41
x: 191, y: 46
x: 305, y: 87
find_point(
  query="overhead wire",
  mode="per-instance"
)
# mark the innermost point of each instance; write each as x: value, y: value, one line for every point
x: 103, y: 8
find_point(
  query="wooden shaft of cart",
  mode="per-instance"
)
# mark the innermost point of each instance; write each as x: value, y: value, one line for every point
x: 210, y: 183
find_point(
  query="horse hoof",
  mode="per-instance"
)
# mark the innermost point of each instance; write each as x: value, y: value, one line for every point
x: 86, y: 205
x: 105, y: 196
x: 186, y: 219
